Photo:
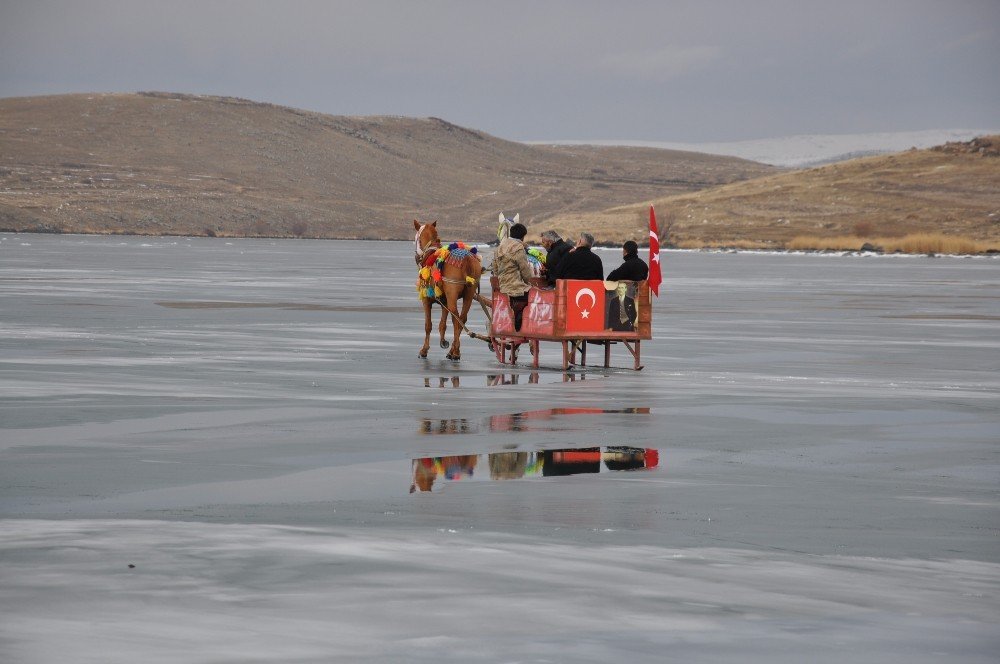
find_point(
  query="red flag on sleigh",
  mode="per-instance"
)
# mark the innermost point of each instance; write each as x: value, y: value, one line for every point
x: 655, y: 277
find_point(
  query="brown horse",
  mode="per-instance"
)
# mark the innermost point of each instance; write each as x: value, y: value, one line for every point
x: 459, y: 280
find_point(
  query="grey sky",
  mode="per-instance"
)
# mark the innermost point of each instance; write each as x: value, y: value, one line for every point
x: 657, y: 71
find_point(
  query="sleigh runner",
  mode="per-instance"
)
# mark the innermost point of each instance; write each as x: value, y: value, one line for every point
x: 576, y: 313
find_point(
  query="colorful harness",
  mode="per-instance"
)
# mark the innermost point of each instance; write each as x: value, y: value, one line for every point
x: 430, y: 278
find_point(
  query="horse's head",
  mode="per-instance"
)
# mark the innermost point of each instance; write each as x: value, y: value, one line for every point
x: 503, y: 230
x: 425, y: 240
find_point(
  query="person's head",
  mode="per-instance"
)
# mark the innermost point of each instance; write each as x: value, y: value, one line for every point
x: 518, y: 231
x: 549, y: 238
x: 586, y: 240
x: 630, y: 248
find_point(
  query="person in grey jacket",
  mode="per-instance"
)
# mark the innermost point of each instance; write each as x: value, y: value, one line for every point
x: 556, y: 248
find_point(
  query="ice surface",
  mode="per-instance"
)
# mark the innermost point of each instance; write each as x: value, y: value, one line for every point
x: 240, y: 421
x: 202, y: 592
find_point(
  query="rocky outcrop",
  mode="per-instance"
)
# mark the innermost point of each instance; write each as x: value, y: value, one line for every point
x: 986, y: 146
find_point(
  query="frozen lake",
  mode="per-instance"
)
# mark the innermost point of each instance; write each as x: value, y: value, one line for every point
x: 227, y: 451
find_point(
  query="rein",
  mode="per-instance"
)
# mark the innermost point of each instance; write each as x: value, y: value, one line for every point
x: 458, y: 319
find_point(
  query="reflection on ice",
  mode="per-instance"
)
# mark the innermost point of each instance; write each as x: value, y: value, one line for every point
x: 544, y: 463
x: 512, y: 378
x: 455, y: 425
x: 515, y: 422
x: 532, y: 419
x: 535, y: 377
x: 442, y: 381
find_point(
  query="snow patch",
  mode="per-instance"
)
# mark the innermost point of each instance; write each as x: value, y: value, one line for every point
x: 801, y: 151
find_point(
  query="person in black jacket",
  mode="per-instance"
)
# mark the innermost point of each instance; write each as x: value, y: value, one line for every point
x: 634, y: 268
x: 556, y: 248
x: 581, y: 262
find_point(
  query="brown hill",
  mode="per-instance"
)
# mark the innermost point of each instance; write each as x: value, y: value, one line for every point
x: 160, y: 163
x: 952, y: 190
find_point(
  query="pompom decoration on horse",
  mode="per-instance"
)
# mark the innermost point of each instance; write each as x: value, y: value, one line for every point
x: 429, y: 278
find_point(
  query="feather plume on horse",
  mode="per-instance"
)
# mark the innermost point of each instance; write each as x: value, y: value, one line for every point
x: 445, y: 275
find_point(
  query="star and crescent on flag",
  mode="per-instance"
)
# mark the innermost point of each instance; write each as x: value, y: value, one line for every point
x: 655, y: 277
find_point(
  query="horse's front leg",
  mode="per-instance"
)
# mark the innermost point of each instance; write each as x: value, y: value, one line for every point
x: 428, y: 326
x: 443, y: 325
x: 455, y: 351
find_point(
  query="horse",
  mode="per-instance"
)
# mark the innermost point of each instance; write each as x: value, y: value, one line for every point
x: 446, y: 275
x: 503, y: 230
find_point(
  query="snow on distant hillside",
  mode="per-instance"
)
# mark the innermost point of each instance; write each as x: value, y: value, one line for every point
x: 809, y: 150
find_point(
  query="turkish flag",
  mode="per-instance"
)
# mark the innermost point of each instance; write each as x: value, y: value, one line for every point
x: 655, y: 277
x: 584, y: 305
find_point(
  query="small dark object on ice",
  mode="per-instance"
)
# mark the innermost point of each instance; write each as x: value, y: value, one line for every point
x: 131, y: 566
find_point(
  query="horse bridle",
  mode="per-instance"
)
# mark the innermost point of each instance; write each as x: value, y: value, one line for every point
x: 420, y: 253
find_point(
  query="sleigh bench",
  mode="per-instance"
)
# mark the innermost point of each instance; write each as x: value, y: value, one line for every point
x: 576, y: 313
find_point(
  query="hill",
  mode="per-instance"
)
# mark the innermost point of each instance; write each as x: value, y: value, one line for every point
x: 163, y: 163
x: 953, y: 190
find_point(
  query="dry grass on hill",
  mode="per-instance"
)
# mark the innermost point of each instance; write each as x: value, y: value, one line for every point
x: 163, y: 163
x: 946, y: 197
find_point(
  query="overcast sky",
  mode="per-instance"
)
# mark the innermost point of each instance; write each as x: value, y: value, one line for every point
x: 656, y: 71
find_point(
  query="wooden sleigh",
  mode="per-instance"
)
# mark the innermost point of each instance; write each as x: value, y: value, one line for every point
x: 576, y: 313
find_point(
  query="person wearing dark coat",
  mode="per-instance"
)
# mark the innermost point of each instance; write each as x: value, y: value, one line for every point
x: 581, y: 262
x: 634, y: 268
x: 556, y: 248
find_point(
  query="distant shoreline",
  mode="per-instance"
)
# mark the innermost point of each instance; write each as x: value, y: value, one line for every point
x: 992, y: 253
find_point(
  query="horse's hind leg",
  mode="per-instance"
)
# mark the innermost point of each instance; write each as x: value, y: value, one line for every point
x: 443, y: 326
x: 428, y: 326
x: 456, y: 351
